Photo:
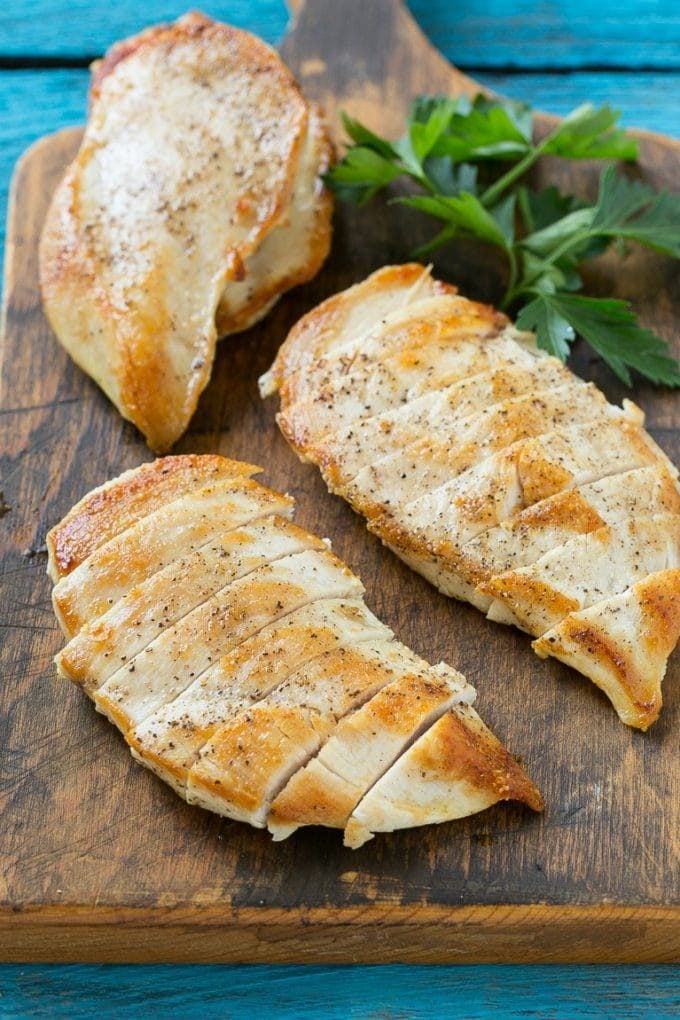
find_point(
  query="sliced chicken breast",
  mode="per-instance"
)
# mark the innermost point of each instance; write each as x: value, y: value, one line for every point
x: 169, y: 740
x: 397, y: 375
x: 158, y: 603
x: 362, y: 747
x: 345, y: 320
x: 248, y: 760
x: 198, y: 146
x: 111, y: 508
x: 413, y: 363
x: 586, y: 570
x: 469, y: 512
x: 164, y: 668
x: 473, y: 418
x: 154, y: 542
x: 473, y: 470
x: 230, y: 667
x: 525, y: 537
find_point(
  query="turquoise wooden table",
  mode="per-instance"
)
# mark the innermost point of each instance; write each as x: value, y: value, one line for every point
x: 555, y: 55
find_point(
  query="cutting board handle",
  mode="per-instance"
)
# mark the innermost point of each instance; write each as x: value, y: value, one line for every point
x: 363, y: 56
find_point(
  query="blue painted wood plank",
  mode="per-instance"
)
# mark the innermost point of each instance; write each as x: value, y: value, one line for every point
x: 32, y: 104
x: 646, y: 100
x: 339, y: 993
x: 495, y: 34
x: 565, y: 33
x: 79, y: 28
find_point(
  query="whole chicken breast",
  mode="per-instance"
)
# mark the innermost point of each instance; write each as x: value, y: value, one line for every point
x: 235, y: 653
x: 492, y: 470
x: 194, y: 201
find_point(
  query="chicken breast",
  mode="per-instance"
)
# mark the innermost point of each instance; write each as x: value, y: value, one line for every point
x: 199, y: 167
x: 236, y: 655
x: 549, y: 523
x: 159, y: 603
x: 451, y: 756
x: 481, y: 461
x: 261, y: 748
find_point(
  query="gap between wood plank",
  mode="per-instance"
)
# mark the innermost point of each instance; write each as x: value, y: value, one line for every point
x: 26, y: 62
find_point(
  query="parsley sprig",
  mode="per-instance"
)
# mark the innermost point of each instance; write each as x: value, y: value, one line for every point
x: 468, y: 160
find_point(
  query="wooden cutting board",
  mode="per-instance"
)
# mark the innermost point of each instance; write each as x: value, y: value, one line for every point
x: 101, y: 861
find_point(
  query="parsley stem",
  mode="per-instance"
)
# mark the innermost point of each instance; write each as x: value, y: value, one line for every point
x: 494, y: 192
x: 512, y: 278
x: 525, y: 285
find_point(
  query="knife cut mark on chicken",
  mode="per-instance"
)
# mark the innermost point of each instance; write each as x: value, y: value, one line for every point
x: 492, y: 470
x: 236, y: 655
x: 194, y: 201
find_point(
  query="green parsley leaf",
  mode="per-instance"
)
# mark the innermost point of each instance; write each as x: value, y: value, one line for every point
x: 541, y: 208
x: 612, y: 330
x: 448, y: 178
x: 489, y: 131
x: 572, y: 228
x: 423, y: 107
x: 363, y: 136
x: 588, y: 133
x: 466, y: 213
x: 631, y: 210
x: 553, y: 332
x: 361, y: 174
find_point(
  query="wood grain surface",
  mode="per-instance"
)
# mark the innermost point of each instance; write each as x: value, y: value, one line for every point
x: 103, y: 862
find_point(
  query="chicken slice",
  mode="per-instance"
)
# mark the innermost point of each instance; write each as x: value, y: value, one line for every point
x: 249, y: 759
x: 501, y: 486
x: 525, y: 537
x: 158, y: 603
x: 346, y: 318
x: 169, y: 740
x: 377, y: 387
x: 438, y: 779
x: 182, y: 652
x: 111, y: 508
x: 623, y: 643
x: 386, y: 485
x: 481, y: 496
x: 189, y: 160
x: 363, y: 746
x: 425, y: 320
x: 157, y: 540
x: 585, y: 570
